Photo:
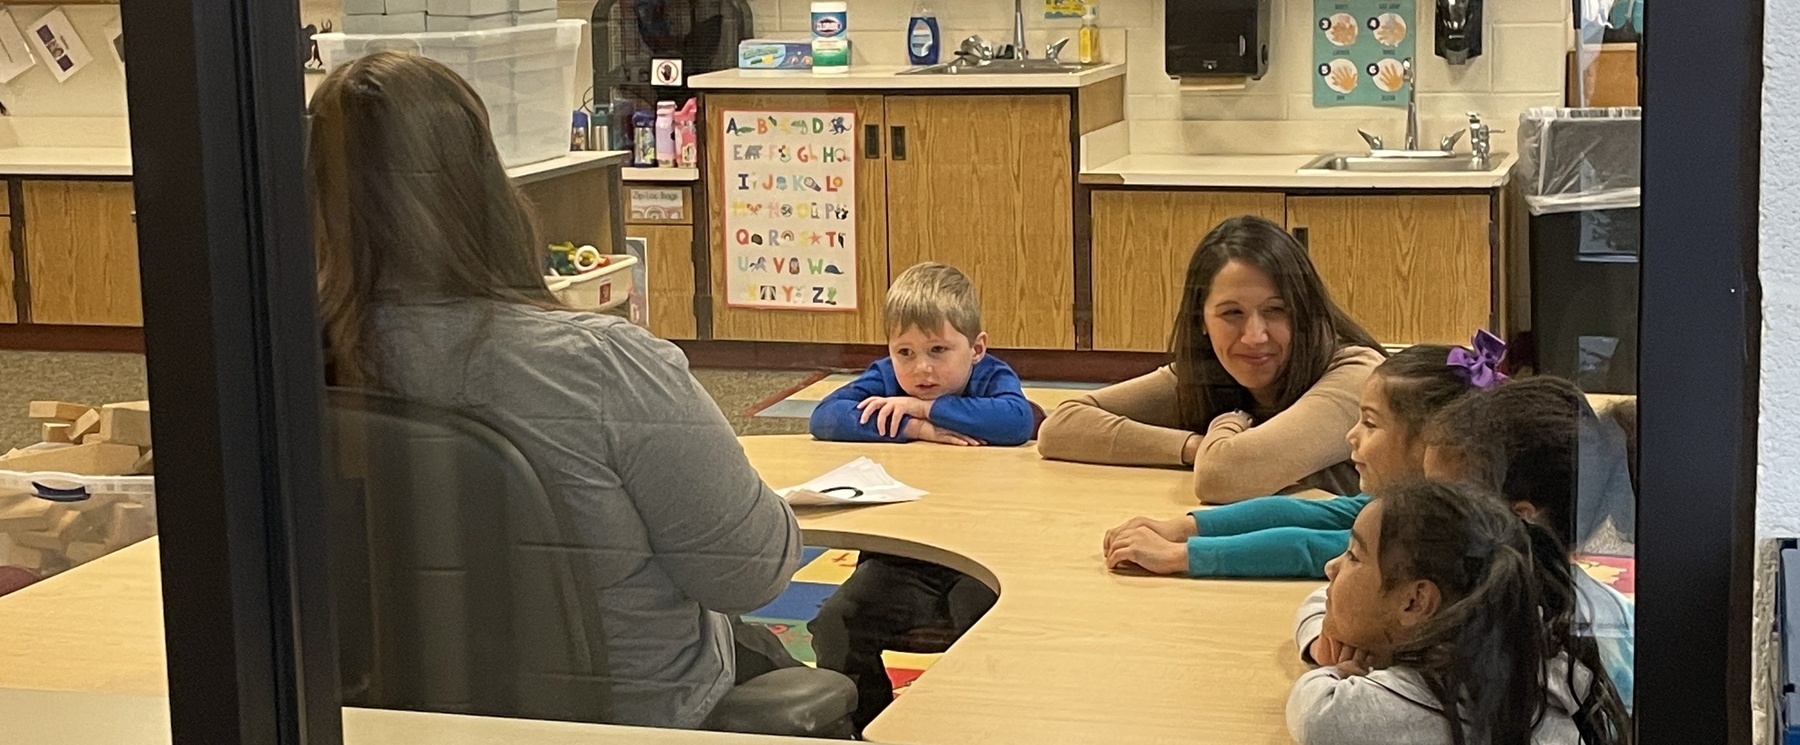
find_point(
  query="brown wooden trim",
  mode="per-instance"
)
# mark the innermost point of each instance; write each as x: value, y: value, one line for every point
x: 50, y: 338
x: 15, y: 201
x: 702, y: 214
x: 1081, y: 203
x: 1031, y: 364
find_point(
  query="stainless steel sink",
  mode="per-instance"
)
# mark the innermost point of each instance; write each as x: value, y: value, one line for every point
x: 1459, y: 163
x: 998, y: 67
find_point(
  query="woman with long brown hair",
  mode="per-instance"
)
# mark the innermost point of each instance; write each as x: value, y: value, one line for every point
x: 431, y: 288
x: 1264, y: 383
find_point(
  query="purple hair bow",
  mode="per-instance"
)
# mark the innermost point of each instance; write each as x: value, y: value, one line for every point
x: 1482, y: 367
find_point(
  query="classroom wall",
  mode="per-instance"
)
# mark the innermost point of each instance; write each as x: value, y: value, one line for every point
x: 1778, y: 426
x: 1523, y: 66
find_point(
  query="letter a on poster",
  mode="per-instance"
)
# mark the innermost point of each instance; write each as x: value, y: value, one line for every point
x: 790, y: 209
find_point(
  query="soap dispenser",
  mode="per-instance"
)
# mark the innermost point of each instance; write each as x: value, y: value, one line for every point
x: 1458, y: 30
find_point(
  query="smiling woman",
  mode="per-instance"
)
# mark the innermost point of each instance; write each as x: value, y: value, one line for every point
x: 1264, y: 382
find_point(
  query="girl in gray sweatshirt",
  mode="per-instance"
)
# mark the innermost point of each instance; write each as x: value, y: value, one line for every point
x: 1442, y: 626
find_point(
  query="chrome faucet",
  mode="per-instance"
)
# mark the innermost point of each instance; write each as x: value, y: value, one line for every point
x: 1018, y: 43
x: 1480, y: 134
x: 1412, y: 104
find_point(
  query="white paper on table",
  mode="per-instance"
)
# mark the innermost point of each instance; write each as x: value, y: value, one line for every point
x: 15, y: 53
x: 861, y: 481
x: 55, y: 39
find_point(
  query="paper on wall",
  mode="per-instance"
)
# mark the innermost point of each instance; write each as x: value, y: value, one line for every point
x: 861, y: 481
x: 790, y: 209
x: 15, y: 54
x: 54, y: 39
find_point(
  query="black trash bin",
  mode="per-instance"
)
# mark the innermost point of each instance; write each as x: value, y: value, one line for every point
x: 1581, y: 168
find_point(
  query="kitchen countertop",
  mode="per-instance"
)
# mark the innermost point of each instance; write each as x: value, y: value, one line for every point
x: 887, y: 77
x: 65, y: 161
x: 1276, y: 172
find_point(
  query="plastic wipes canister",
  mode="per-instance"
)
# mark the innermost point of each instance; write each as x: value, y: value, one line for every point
x: 831, y: 38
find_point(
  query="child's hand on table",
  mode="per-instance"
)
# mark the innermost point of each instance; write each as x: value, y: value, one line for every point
x: 922, y: 430
x: 1177, y: 530
x: 1141, y: 547
x: 887, y: 411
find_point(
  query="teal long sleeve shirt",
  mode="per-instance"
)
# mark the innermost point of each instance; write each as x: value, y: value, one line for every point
x: 1272, y: 536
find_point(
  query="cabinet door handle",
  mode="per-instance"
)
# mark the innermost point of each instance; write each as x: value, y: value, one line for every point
x: 872, y: 141
x: 899, y: 142
x: 1304, y: 236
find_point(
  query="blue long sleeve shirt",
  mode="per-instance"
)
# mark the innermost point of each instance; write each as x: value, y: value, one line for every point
x: 1272, y: 536
x: 991, y: 408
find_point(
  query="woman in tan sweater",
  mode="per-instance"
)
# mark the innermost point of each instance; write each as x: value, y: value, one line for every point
x: 1264, y: 384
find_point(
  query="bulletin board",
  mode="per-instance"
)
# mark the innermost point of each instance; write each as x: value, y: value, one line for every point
x: 1358, y: 47
x: 789, y: 180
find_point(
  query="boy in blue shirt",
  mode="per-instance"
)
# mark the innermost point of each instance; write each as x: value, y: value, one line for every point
x: 938, y: 384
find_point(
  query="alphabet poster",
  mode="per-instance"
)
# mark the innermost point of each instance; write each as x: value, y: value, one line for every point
x: 1359, y: 47
x: 789, y: 182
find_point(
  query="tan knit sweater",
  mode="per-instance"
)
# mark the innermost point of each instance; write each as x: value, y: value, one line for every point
x: 1138, y: 423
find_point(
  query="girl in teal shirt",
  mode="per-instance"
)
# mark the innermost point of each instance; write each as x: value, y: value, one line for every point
x: 1291, y: 536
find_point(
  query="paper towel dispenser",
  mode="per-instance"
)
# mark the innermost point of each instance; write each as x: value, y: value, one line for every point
x: 1216, y: 37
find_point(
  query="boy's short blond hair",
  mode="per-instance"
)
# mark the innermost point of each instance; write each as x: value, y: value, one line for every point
x: 929, y: 294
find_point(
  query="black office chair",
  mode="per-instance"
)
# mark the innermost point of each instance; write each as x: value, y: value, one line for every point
x: 455, y: 589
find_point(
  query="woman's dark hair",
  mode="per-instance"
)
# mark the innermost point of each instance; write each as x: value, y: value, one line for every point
x: 1420, y: 382
x: 1483, y: 654
x: 1320, y: 327
x: 410, y: 200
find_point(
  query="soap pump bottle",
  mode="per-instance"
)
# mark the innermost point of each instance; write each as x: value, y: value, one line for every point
x: 922, y: 41
x: 1090, y: 35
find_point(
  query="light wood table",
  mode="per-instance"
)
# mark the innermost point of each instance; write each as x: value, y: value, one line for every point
x: 1071, y: 653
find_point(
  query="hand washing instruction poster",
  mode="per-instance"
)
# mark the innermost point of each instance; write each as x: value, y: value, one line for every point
x: 1358, y: 50
x: 790, y: 209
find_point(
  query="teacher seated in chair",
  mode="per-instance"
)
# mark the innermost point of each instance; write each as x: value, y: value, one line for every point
x: 431, y: 288
x: 1264, y: 384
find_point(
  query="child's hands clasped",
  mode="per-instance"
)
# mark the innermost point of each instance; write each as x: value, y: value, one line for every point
x: 1347, y: 659
x: 1141, y: 547
x: 1178, y: 529
x: 888, y: 411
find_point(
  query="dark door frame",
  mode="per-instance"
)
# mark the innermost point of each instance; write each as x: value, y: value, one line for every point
x: 234, y: 367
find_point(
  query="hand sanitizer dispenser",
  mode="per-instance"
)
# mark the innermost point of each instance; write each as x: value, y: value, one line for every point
x: 1458, y: 30
x: 1216, y: 37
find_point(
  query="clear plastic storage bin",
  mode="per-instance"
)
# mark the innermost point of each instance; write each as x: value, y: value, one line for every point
x: 52, y: 522
x: 525, y: 75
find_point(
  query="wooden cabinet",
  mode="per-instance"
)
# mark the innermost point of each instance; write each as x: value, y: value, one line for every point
x: 1142, y: 243
x: 983, y: 183
x: 1411, y: 269
x: 669, y: 253
x: 862, y: 325
x: 81, y: 253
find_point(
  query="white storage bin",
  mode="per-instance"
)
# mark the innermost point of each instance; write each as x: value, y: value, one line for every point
x: 601, y: 289
x: 51, y: 522
x: 530, y: 123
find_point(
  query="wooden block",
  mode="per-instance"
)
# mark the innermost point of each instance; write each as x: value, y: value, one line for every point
x: 146, y: 465
x: 130, y: 522
x: 20, y: 556
x: 88, y: 459
x: 82, y: 553
x: 91, y: 437
x: 86, y: 425
x: 42, y: 540
x: 125, y: 424
x: 55, y: 431
x: 57, y: 411
x: 27, y: 513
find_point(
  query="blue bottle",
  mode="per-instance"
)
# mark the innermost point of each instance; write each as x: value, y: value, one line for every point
x: 922, y: 41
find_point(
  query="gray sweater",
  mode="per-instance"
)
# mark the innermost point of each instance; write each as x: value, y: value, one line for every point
x: 626, y: 437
